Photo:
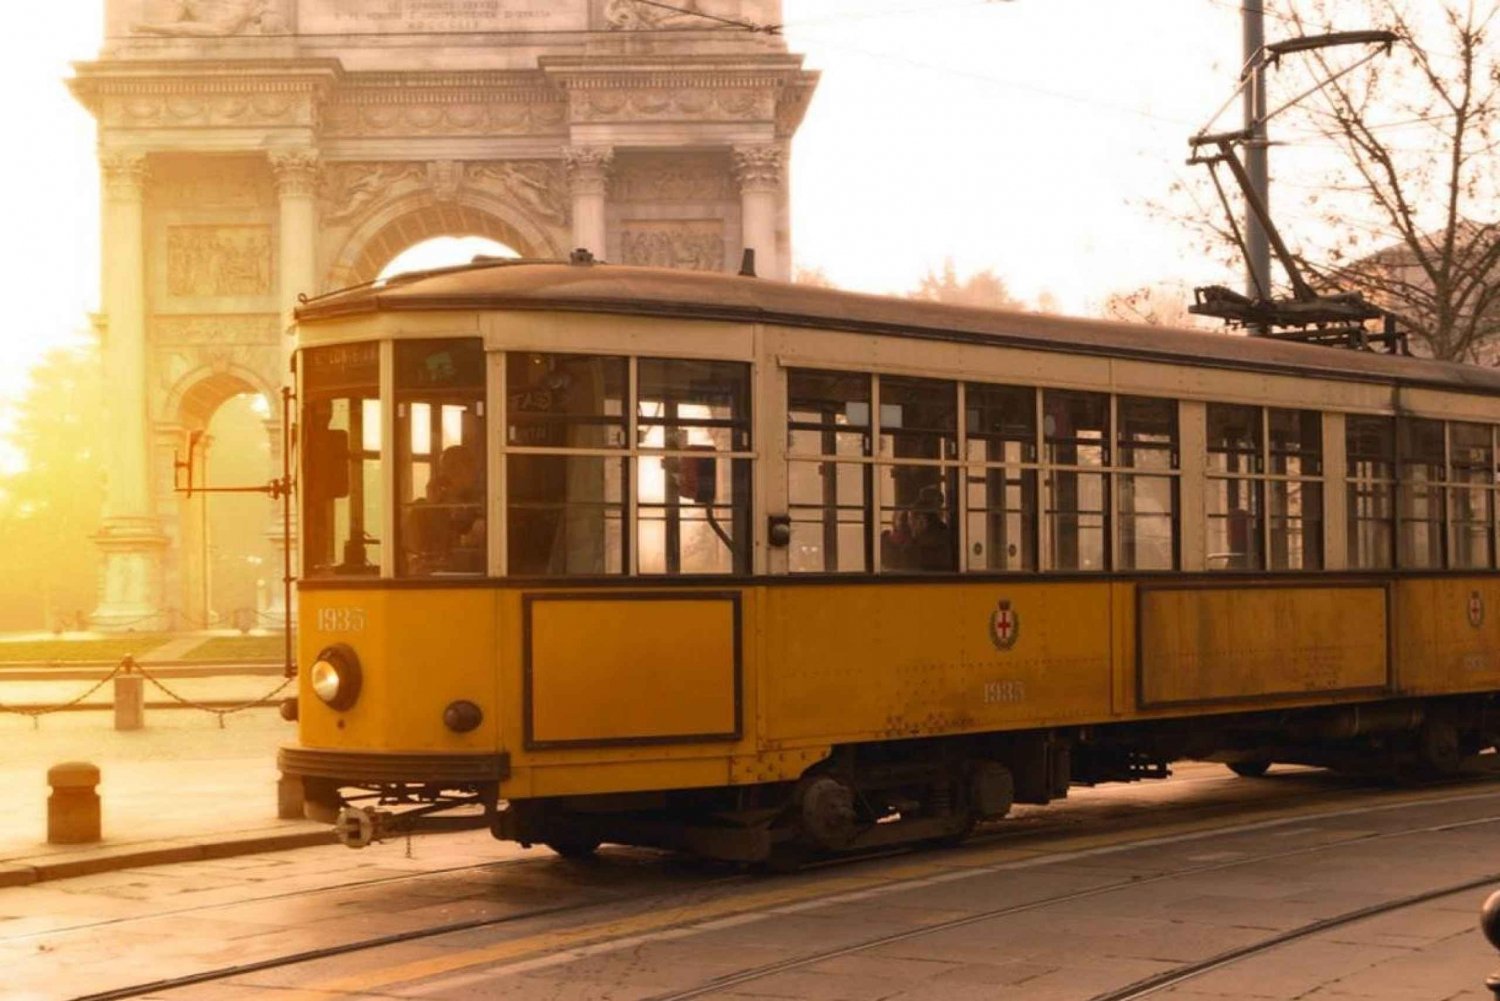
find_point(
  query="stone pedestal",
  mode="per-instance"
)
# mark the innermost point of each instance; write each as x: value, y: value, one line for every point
x: 130, y: 702
x: 73, y: 816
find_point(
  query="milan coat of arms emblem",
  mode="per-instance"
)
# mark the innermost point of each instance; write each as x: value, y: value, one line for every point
x: 1005, y: 626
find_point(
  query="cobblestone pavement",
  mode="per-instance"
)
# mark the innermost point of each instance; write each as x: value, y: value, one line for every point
x: 643, y: 924
x: 181, y: 778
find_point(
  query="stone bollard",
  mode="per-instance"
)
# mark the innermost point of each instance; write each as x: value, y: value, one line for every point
x: 130, y: 697
x: 289, y: 798
x: 73, y: 807
x: 1489, y: 923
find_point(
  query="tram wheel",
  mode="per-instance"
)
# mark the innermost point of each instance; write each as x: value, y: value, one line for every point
x: 1252, y: 769
x: 574, y: 848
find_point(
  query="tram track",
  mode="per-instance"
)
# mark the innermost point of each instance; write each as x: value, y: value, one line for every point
x: 1151, y: 985
x: 1289, y: 810
x: 1191, y: 971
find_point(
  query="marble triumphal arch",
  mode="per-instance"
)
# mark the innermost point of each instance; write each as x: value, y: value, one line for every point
x: 253, y: 150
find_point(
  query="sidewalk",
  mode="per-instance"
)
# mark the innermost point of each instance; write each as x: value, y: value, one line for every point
x: 181, y: 788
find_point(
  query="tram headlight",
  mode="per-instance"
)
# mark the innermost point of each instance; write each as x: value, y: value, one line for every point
x: 335, y: 676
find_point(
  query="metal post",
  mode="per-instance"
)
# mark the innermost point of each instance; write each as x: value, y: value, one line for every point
x: 1489, y: 923
x: 1258, y: 251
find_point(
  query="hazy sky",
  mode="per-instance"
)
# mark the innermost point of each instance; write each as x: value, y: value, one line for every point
x: 1022, y: 136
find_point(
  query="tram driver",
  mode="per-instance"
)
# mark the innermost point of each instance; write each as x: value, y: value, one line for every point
x: 445, y: 529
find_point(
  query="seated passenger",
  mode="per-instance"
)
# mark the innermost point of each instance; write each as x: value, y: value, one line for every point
x: 932, y: 542
x: 896, y: 543
x: 445, y: 529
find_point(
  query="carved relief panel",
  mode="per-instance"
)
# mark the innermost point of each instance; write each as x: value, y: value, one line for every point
x: 691, y: 244
x: 218, y: 261
x: 674, y: 210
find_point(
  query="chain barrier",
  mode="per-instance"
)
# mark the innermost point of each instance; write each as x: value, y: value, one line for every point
x: 37, y: 712
x: 128, y: 666
x: 219, y: 711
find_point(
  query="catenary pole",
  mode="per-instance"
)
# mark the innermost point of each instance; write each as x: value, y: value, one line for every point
x: 1258, y: 277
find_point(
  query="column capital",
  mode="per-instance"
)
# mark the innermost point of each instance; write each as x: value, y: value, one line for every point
x: 124, y: 174
x: 588, y: 168
x: 296, y: 170
x: 758, y: 167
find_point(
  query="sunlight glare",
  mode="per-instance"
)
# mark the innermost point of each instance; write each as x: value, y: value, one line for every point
x: 443, y: 252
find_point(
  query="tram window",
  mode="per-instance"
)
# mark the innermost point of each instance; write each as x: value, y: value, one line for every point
x: 1471, y: 475
x: 1295, y: 504
x: 1296, y: 438
x: 1370, y: 445
x: 684, y: 403
x: 1234, y: 439
x: 692, y: 506
x: 1075, y: 430
x: 1000, y: 427
x: 341, y: 417
x: 704, y: 530
x: 1235, y: 506
x: 1296, y: 525
x: 440, y: 457
x: 565, y: 514
x: 1002, y: 518
x: 1000, y: 423
x: 828, y: 414
x: 917, y: 518
x: 1147, y: 440
x: 918, y: 418
x: 1076, y: 526
x: 1420, y: 515
x: 564, y: 401
x: 1234, y: 523
x: 829, y: 508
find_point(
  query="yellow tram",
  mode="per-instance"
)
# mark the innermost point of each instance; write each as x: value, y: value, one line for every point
x: 752, y: 569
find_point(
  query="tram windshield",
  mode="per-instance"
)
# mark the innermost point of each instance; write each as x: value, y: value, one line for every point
x: 342, y: 460
x: 440, y: 457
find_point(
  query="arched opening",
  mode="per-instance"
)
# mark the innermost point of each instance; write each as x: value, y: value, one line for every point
x: 442, y: 252
x: 409, y: 221
x: 226, y: 563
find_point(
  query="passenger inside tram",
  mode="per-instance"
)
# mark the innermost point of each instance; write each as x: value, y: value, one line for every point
x: 445, y: 529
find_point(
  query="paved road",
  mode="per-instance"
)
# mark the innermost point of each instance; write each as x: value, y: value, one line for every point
x: 1120, y: 883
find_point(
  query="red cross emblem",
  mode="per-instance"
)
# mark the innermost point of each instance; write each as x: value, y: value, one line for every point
x: 1476, y: 609
x: 1005, y: 626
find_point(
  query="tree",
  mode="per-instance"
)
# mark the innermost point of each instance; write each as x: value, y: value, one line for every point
x: 982, y: 288
x: 49, y: 509
x: 1406, y: 152
x: 1160, y: 305
x: 1420, y: 140
x: 813, y: 277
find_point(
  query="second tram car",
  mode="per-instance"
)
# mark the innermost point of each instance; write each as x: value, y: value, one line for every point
x: 752, y: 569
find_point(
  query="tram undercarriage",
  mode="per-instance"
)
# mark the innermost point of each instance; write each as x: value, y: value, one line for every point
x: 935, y: 791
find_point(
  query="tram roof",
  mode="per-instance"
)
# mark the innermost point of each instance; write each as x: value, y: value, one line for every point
x: 626, y: 290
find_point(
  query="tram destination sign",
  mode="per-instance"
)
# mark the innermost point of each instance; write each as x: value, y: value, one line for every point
x: 347, y: 17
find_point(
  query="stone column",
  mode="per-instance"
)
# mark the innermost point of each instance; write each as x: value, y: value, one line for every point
x: 759, y: 171
x: 588, y: 179
x: 130, y: 536
x: 296, y: 172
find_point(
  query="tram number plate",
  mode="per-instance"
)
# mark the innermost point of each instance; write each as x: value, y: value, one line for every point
x: 341, y: 620
x: 996, y: 692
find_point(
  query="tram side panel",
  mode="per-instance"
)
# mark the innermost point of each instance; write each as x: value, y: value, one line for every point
x: 635, y: 689
x: 851, y: 663
x: 1447, y: 634
x: 1226, y: 647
